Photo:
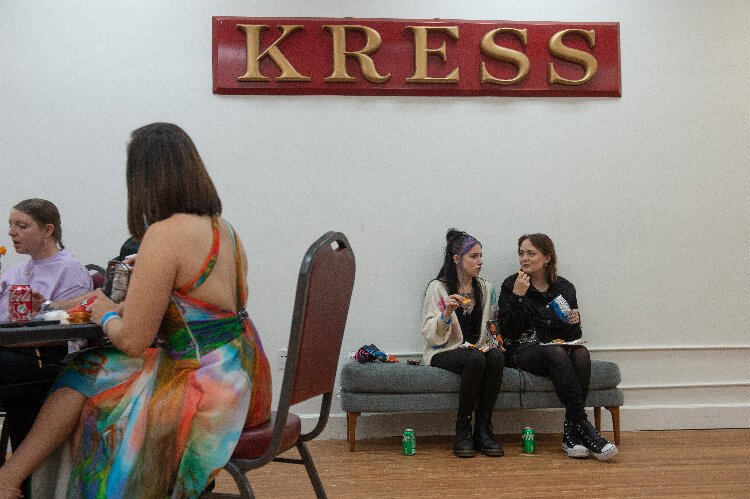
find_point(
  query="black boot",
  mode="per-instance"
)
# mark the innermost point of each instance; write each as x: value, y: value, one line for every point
x: 594, y: 441
x: 571, y: 443
x: 484, y: 436
x: 462, y: 444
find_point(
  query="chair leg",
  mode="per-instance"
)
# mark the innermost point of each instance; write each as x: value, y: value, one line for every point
x: 307, y: 459
x: 598, y: 419
x: 615, y: 411
x: 351, y: 428
x: 246, y: 492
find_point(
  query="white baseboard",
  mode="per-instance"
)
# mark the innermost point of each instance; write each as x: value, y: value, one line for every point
x: 632, y: 418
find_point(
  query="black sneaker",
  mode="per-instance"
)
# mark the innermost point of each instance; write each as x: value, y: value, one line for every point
x: 571, y: 443
x: 594, y: 441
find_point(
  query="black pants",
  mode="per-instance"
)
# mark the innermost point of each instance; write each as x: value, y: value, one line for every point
x: 481, y: 376
x: 22, y: 403
x: 568, y: 367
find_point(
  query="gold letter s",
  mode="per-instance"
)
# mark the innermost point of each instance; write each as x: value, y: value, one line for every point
x: 499, y: 53
x: 558, y: 49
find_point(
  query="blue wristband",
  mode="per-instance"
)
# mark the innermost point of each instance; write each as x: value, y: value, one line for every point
x: 442, y: 318
x: 107, y: 317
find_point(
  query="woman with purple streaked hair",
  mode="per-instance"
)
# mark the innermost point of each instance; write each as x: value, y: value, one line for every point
x: 459, y: 310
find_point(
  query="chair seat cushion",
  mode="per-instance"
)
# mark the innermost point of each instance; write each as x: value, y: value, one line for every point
x: 255, y: 440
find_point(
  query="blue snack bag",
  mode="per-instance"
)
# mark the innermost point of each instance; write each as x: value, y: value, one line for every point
x: 561, y: 308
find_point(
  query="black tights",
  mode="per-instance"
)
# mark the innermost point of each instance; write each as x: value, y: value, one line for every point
x: 568, y: 367
x: 481, y: 376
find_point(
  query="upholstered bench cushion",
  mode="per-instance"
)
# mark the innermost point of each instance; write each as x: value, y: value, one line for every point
x: 604, y: 374
x: 379, y: 377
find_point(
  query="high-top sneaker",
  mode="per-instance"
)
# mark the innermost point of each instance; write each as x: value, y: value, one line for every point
x: 571, y: 443
x: 484, y: 437
x: 462, y: 444
x: 594, y: 441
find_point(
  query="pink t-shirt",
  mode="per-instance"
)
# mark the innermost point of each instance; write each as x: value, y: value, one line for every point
x: 59, y: 277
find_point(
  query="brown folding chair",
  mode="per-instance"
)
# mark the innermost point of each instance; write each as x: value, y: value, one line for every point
x: 98, y: 275
x: 324, y: 290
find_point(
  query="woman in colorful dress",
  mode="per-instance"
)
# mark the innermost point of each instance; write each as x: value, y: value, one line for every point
x: 158, y: 414
x: 457, y: 307
x: 527, y: 318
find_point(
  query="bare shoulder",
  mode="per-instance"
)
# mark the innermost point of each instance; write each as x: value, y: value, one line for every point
x: 176, y: 226
x: 169, y: 236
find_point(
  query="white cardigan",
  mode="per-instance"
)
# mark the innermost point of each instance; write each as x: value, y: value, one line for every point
x: 436, y: 334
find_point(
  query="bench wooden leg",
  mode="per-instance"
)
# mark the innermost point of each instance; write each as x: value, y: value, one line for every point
x: 615, y: 411
x: 598, y: 419
x: 351, y: 428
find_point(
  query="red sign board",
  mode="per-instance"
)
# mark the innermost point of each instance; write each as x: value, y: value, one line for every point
x: 347, y: 56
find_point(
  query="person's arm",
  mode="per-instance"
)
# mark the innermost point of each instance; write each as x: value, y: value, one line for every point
x: 512, y: 315
x: 437, y: 313
x: 149, y: 292
x: 563, y: 330
x: 39, y: 302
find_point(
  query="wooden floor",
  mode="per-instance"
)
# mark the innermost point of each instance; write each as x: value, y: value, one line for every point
x: 697, y: 463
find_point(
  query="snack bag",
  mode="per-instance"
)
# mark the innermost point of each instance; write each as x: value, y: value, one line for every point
x: 82, y: 312
x: 561, y: 308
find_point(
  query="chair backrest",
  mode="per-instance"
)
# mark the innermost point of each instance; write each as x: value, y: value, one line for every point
x: 324, y: 290
x: 98, y: 275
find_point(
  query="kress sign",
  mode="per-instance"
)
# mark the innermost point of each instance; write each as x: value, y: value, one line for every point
x: 414, y: 57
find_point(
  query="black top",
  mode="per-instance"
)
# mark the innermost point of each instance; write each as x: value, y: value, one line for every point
x: 532, y: 311
x: 471, y: 324
x: 129, y: 247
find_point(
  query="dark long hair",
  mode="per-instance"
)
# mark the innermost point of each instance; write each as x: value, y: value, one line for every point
x: 165, y: 175
x: 43, y: 212
x: 543, y: 243
x: 458, y: 243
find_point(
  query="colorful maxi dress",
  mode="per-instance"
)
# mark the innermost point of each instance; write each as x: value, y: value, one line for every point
x: 163, y: 424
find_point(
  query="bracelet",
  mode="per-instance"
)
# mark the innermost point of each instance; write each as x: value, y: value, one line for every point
x: 442, y: 318
x: 106, y: 318
x: 109, y: 319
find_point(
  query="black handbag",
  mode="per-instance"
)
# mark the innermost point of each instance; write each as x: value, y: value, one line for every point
x: 527, y: 337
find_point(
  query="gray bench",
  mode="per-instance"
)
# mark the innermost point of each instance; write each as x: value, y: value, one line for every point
x: 378, y: 387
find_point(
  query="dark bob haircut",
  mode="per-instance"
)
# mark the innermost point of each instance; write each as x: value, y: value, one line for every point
x: 165, y: 175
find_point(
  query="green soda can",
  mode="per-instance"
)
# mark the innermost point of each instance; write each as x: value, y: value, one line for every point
x: 528, y: 440
x: 409, y: 442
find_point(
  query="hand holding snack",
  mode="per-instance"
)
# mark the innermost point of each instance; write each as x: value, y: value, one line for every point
x: 521, y: 286
x: 102, y: 305
x: 452, y: 303
x: 575, y: 317
x: 82, y: 312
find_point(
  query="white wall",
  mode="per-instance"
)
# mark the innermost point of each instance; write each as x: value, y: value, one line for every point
x: 646, y: 196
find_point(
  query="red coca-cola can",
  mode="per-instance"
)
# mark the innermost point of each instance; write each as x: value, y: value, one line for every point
x: 19, y: 302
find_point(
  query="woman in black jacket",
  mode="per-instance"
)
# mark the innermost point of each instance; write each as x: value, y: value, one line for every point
x: 537, y: 307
